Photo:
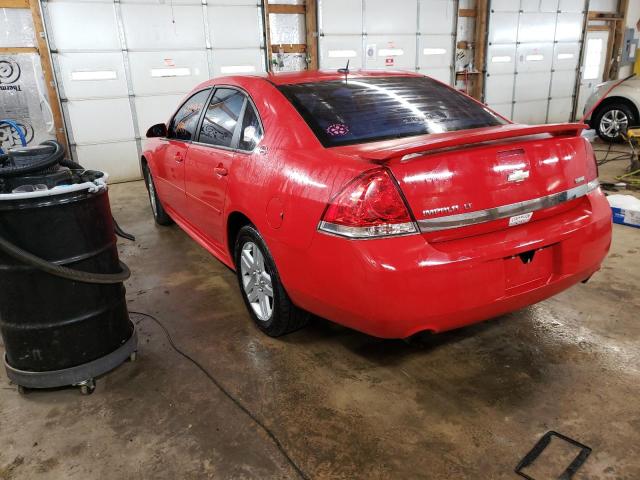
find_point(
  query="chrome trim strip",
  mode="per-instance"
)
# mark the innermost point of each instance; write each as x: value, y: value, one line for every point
x: 504, y: 211
x: 364, y: 233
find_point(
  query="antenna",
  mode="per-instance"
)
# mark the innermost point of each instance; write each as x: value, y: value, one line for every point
x: 345, y: 70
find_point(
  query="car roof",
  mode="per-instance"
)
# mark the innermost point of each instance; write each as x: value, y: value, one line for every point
x: 308, y: 76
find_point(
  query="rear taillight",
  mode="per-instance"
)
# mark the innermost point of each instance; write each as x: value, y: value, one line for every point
x: 369, y: 206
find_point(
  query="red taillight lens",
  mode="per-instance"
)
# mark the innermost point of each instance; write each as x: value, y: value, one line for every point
x: 369, y: 206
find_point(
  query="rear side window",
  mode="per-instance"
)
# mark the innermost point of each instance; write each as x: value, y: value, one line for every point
x: 362, y: 110
x: 221, y: 117
x: 251, y: 132
x: 184, y: 123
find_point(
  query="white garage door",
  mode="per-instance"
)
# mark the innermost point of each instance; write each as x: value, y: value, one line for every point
x: 123, y: 66
x: 533, y: 58
x: 379, y: 34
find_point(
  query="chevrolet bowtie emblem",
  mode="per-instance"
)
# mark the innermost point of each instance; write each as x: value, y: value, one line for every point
x: 518, y: 176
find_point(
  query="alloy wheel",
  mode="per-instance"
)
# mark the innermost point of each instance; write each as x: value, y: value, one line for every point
x: 256, y: 281
x: 613, y: 122
x: 152, y: 194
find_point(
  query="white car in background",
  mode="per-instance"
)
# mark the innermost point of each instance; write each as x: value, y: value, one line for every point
x: 618, y: 111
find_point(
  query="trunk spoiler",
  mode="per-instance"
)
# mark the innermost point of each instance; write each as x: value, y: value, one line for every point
x: 428, y: 143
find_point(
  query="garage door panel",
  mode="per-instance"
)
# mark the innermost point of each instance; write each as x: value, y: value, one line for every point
x: 162, y: 72
x: 499, y: 89
x: 536, y: 27
x: 401, y: 48
x: 566, y: 56
x: 156, y: 2
x: 81, y: 26
x: 560, y: 110
x: 340, y: 17
x: 442, y: 74
x: 158, y: 31
x: 550, y: 6
x: 437, y: 16
x: 86, y: 75
x: 238, y: 61
x: 234, y: 26
x: 505, y: 5
x: 435, y: 51
x: 562, y: 85
x: 336, y: 50
x: 119, y: 160
x: 533, y: 113
x: 101, y: 120
x: 503, y: 109
x: 532, y: 86
x: 503, y: 28
x: 501, y: 59
x: 156, y: 109
x: 571, y: 5
x: 569, y: 27
x: 382, y: 16
x: 534, y: 57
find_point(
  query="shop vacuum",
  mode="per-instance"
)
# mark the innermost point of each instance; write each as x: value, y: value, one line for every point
x: 63, y: 313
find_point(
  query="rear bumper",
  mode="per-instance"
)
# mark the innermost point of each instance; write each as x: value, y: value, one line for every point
x: 396, y: 287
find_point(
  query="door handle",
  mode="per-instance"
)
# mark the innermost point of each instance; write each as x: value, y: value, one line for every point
x: 178, y: 158
x: 221, y: 171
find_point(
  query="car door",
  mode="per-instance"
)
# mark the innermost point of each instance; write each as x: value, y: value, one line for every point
x: 210, y: 160
x: 169, y: 165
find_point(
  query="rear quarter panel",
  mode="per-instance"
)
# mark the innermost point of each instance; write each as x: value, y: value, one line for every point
x: 293, y: 180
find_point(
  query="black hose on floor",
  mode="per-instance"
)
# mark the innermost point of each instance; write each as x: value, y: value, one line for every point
x: 220, y: 387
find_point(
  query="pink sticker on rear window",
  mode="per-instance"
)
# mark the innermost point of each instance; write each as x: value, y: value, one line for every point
x: 337, y: 129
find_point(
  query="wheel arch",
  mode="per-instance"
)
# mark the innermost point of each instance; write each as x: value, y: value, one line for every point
x: 608, y: 101
x: 235, y: 221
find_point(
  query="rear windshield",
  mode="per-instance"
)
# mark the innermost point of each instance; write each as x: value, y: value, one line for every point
x: 362, y: 110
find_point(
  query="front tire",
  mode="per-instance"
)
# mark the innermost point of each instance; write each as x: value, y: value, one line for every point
x: 159, y: 214
x: 612, y: 120
x: 264, y: 295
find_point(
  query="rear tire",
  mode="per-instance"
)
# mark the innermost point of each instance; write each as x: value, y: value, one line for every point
x: 612, y: 119
x: 159, y: 214
x: 264, y: 295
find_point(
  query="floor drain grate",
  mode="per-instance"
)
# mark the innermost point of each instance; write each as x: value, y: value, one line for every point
x: 549, y: 463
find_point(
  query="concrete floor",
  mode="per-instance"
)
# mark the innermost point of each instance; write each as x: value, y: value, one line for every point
x: 466, y: 404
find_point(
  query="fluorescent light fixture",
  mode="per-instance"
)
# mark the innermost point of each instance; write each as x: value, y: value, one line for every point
x: 565, y: 56
x: 342, y: 53
x: 390, y: 52
x: 171, y: 72
x: 501, y: 59
x: 238, y: 69
x: 534, y: 57
x: 434, y: 51
x: 94, y: 75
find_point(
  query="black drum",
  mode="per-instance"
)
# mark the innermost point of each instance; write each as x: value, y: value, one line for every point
x: 63, y: 312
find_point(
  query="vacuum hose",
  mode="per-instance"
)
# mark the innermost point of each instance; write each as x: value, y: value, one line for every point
x: 55, y: 157
x: 63, y: 272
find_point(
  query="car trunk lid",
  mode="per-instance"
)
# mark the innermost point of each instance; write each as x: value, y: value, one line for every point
x: 468, y: 183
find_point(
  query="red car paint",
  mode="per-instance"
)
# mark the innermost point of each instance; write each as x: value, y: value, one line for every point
x: 393, y: 287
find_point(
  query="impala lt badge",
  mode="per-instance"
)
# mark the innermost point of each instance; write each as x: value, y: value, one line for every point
x: 518, y: 176
x: 448, y: 209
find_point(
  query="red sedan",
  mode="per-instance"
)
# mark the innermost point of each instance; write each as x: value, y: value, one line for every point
x: 386, y: 202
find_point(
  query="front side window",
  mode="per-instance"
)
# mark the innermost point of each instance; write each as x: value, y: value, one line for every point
x: 358, y: 110
x: 221, y: 117
x: 185, y: 122
x: 251, y: 132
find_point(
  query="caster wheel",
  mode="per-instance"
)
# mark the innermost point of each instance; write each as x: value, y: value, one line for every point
x: 133, y: 356
x: 22, y: 390
x: 87, y: 387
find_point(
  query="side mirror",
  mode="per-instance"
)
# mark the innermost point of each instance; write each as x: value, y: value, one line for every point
x: 249, y: 134
x: 158, y: 130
